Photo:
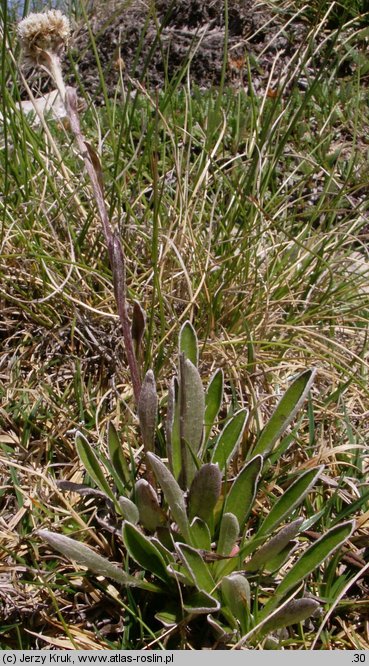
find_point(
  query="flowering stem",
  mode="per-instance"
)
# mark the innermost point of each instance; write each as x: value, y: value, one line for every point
x: 115, y: 250
x: 53, y: 67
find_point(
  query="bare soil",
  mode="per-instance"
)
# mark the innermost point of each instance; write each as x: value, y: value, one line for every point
x: 153, y: 44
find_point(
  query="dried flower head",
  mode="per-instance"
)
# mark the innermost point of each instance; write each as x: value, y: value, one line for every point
x: 44, y: 32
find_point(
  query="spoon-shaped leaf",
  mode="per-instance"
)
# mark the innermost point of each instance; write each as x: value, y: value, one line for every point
x: 199, y: 602
x: 173, y: 429
x: 285, y: 412
x: 204, y: 492
x: 243, y: 490
x: 274, y: 546
x: 229, y: 439
x: 228, y: 534
x: 147, y: 410
x: 196, y: 567
x: 213, y: 400
x: 172, y: 493
x: 117, y: 458
x: 290, y: 499
x: 188, y: 343
x: 129, y: 510
x: 297, y: 610
x: 92, y: 465
x: 236, y: 594
x: 310, y: 560
x: 150, y: 512
x: 201, y: 534
x: 192, y: 410
x: 144, y: 552
x: 86, y: 557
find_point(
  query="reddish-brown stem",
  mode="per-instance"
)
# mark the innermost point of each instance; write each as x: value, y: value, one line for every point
x: 115, y: 249
x: 118, y: 267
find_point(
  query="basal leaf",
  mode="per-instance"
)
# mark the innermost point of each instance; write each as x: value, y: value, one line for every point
x: 310, y: 560
x: 200, y: 532
x: 86, y: 557
x: 150, y: 512
x: 213, y: 400
x: 198, y: 603
x: 144, y: 552
x: 117, y: 457
x: 236, y: 594
x: 290, y: 499
x: 297, y: 610
x: 92, y: 465
x: 228, y: 533
x: 172, y: 493
x: 229, y: 439
x: 192, y: 409
x: 147, y: 410
x: 173, y: 434
x: 196, y: 567
x: 274, y: 546
x: 285, y: 412
x: 188, y: 343
x: 129, y: 510
x: 241, y: 496
x: 204, y: 491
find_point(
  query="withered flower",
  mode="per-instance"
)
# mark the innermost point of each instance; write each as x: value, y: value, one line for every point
x: 43, y: 37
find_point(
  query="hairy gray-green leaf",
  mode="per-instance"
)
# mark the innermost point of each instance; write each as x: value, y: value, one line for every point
x: 213, y: 400
x: 200, y: 534
x: 151, y: 514
x: 236, y: 594
x: 285, y: 412
x: 192, y: 410
x: 92, y: 465
x: 296, y: 610
x: 229, y: 439
x: 172, y: 429
x: 188, y: 343
x: 117, y: 458
x: 274, y: 546
x: 196, y: 567
x: 147, y: 410
x: 290, y: 499
x: 86, y: 557
x: 243, y: 490
x: 228, y: 534
x: 199, y: 602
x: 204, y: 491
x: 144, y: 551
x: 172, y: 493
x: 129, y: 510
x: 310, y: 560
